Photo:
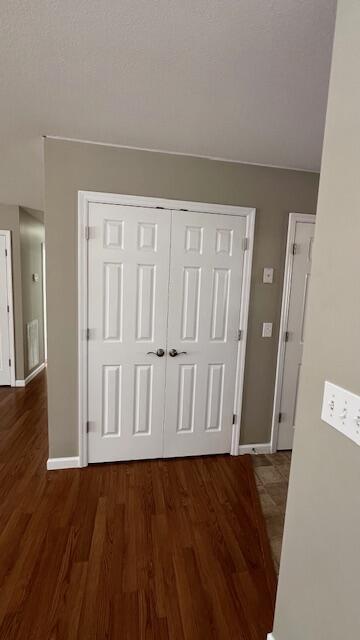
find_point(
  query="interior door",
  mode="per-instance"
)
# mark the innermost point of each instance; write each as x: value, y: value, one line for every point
x: 5, y: 378
x: 127, y: 319
x: 295, y: 331
x: 207, y: 256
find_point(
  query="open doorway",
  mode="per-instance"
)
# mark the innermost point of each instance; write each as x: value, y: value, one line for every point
x: 22, y: 295
x: 273, y: 471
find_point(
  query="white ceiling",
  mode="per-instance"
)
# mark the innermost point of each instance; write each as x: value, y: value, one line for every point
x: 243, y: 80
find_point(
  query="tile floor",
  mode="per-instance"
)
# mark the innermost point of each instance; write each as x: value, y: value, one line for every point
x: 272, y: 478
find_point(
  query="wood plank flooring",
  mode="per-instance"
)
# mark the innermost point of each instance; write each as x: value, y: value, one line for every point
x: 164, y: 549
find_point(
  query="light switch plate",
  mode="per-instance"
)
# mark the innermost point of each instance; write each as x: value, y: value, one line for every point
x: 267, y: 330
x: 268, y: 275
x: 341, y: 410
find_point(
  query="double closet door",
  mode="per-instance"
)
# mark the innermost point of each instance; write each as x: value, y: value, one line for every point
x: 164, y: 291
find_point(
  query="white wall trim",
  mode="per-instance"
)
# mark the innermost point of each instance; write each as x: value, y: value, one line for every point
x: 87, y: 197
x: 35, y: 372
x: 270, y: 636
x: 63, y: 463
x: 181, y: 153
x: 254, y: 449
x: 31, y: 376
x: 10, y: 302
x: 294, y: 218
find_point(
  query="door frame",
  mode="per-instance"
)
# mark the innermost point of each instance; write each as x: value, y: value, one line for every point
x: 10, y: 302
x: 84, y: 200
x: 294, y: 218
x: 43, y: 267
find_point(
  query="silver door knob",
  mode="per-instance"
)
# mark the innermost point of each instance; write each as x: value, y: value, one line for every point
x: 173, y: 353
x: 159, y: 353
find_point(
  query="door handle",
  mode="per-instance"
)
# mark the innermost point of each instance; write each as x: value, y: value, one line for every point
x: 173, y: 353
x: 159, y: 353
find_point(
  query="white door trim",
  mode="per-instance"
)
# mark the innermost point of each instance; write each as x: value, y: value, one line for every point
x: 87, y: 197
x: 10, y: 302
x: 244, y: 316
x: 43, y: 265
x: 289, y: 261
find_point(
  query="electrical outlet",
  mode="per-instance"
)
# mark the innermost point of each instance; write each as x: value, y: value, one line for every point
x: 341, y: 410
x: 267, y: 330
x: 268, y: 275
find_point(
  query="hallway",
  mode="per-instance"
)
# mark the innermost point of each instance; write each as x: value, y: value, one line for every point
x: 167, y: 549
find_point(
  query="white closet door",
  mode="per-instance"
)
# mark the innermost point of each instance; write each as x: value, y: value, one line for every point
x: 4, y: 319
x: 296, y: 325
x: 127, y: 317
x: 207, y: 255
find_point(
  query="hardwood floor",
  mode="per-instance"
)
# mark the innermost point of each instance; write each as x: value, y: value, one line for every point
x: 164, y: 549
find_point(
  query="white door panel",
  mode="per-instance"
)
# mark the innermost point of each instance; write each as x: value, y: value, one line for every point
x: 162, y: 280
x: 207, y: 253
x: 5, y: 377
x: 127, y: 317
x: 296, y: 329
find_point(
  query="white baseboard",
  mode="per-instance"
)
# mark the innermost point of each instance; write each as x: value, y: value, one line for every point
x: 31, y: 376
x: 34, y: 373
x: 270, y: 636
x: 264, y: 447
x: 63, y: 463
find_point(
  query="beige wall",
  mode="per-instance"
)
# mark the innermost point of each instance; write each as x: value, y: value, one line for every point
x: 318, y: 596
x: 32, y: 235
x: 9, y: 220
x: 70, y: 167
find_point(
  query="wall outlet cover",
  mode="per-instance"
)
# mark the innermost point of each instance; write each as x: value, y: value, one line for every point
x: 267, y: 330
x: 268, y: 275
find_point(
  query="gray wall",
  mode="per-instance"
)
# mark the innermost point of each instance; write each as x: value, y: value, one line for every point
x: 32, y: 235
x: 9, y: 220
x: 71, y: 166
x: 318, y: 597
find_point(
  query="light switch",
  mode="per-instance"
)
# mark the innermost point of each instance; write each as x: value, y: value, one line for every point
x: 268, y: 275
x: 341, y: 410
x: 267, y: 330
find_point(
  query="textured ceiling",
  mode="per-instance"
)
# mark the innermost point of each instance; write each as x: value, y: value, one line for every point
x: 238, y: 79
